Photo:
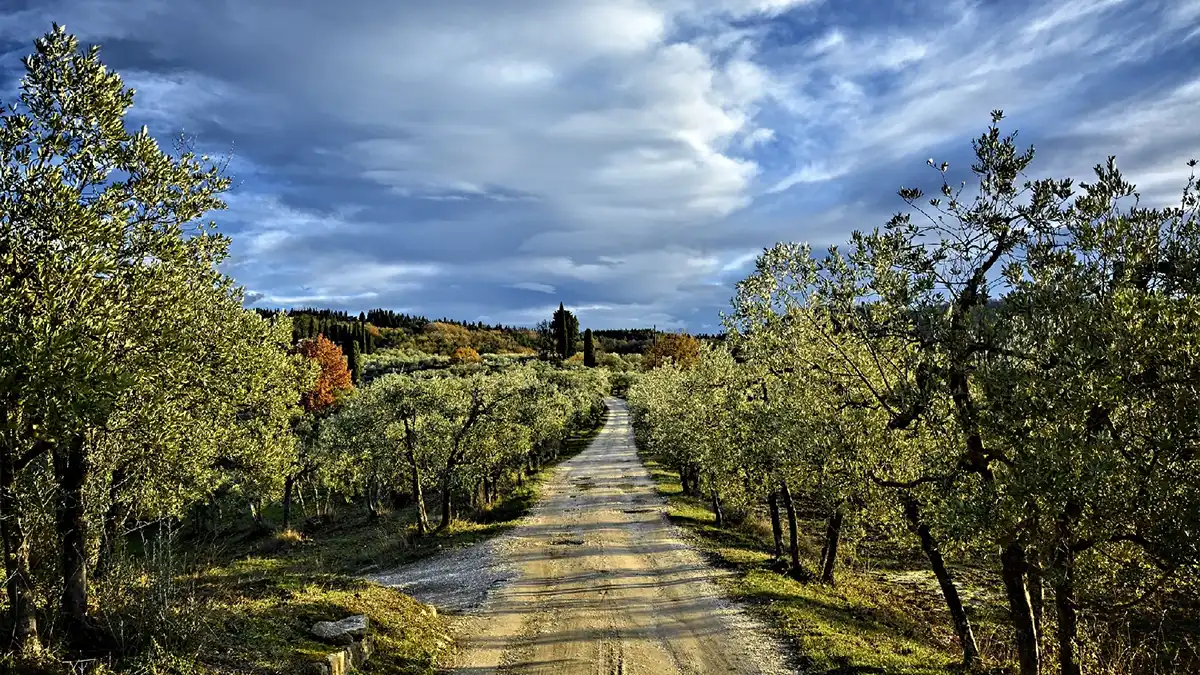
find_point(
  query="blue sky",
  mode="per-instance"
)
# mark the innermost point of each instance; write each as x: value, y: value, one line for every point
x: 486, y: 159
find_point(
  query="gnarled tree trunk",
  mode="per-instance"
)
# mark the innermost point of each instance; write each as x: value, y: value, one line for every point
x: 1068, y: 617
x: 1037, y: 592
x: 447, y: 498
x: 1065, y: 602
x: 414, y: 477
x: 70, y: 474
x: 1014, y: 566
x: 114, y: 521
x: 289, y: 487
x: 256, y: 512
x: 793, y: 530
x: 958, y: 614
x: 19, y: 579
x: 833, y: 534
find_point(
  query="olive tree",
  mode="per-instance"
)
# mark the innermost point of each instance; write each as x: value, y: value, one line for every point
x: 1094, y: 396
x: 1023, y: 345
x: 132, y: 382
x: 104, y: 268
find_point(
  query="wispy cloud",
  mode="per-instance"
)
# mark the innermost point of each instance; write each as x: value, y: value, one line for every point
x: 533, y: 286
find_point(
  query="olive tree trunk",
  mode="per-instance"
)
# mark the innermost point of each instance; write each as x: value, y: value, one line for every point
x: 958, y: 614
x: 776, y: 525
x: 1014, y: 566
x: 70, y: 475
x: 18, y: 576
x: 793, y: 530
x: 833, y: 535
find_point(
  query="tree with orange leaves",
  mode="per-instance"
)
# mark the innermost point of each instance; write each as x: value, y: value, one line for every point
x: 333, y: 381
x: 465, y: 355
x: 334, y: 378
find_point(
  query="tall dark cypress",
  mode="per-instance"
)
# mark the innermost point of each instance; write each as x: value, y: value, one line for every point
x: 589, y: 349
x: 354, y: 362
x: 572, y: 334
x: 560, y: 331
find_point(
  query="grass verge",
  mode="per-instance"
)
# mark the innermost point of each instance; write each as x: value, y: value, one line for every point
x: 869, y: 622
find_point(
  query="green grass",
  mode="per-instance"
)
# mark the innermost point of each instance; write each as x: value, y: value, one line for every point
x: 863, y: 624
x: 259, y: 616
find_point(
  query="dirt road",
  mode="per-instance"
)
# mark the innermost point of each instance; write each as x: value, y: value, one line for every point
x: 595, y: 580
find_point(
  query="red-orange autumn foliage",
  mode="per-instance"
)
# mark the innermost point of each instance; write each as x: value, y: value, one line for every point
x: 334, y: 378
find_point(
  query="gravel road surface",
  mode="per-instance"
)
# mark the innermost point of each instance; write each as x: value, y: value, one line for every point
x: 594, y: 580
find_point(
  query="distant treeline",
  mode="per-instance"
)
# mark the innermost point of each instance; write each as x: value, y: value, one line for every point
x: 384, y: 328
x: 337, y: 326
x: 386, y: 318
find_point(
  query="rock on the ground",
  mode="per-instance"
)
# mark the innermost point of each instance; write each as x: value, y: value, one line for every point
x: 344, y: 661
x: 341, y: 632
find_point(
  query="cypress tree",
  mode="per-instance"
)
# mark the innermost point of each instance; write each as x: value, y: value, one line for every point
x: 354, y: 362
x: 560, y: 331
x: 572, y: 334
x: 589, y: 349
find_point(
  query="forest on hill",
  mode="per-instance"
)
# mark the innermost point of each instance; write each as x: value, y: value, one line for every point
x: 385, y: 329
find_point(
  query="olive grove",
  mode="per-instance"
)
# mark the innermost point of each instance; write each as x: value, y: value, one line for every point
x: 1006, y: 372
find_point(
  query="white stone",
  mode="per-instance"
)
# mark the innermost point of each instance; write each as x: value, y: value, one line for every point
x: 342, y: 631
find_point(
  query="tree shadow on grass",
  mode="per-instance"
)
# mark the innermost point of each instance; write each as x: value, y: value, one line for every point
x: 260, y: 620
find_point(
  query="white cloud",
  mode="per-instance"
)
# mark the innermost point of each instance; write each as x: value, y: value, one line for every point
x: 268, y: 299
x: 740, y: 262
x: 1065, y: 14
x: 945, y: 75
x: 809, y: 173
x: 1153, y: 139
x: 533, y: 286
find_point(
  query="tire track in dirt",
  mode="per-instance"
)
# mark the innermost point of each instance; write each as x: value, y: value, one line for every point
x: 594, y: 581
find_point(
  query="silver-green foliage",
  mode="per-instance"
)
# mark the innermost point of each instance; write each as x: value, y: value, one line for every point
x: 1010, y: 367
x: 132, y: 382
